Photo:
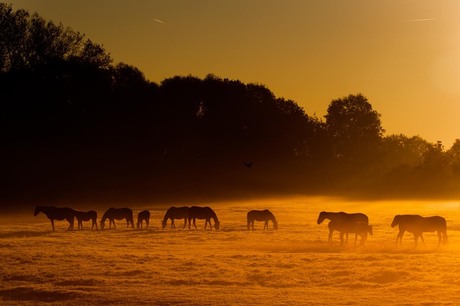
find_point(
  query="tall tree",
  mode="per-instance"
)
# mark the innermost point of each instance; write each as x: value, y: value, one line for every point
x: 354, y: 128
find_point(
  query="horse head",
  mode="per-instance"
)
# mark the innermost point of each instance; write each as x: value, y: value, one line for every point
x: 370, y: 230
x: 321, y: 217
x: 275, y: 224
x: 217, y: 225
x: 102, y: 224
x: 163, y: 223
x: 395, y: 221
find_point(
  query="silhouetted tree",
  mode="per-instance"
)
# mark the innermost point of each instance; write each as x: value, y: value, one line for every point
x: 400, y: 150
x: 354, y: 129
x: 28, y: 41
x: 453, y: 155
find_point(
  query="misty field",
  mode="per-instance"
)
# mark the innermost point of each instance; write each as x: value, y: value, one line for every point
x: 293, y: 265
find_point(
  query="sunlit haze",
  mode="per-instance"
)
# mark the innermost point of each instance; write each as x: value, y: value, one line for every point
x: 404, y: 56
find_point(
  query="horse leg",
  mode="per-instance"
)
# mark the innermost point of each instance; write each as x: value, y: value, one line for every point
x: 52, y: 224
x: 421, y: 238
x: 194, y: 222
x: 70, y: 224
x: 439, y: 238
x: 341, y: 238
x: 185, y: 222
x: 330, y: 236
x: 363, y: 238
x: 249, y: 224
x: 266, y: 225
x: 416, y: 239
x: 399, y: 237
x: 172, y: 224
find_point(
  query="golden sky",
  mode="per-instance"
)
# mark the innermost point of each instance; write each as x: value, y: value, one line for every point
x: 403, y: 55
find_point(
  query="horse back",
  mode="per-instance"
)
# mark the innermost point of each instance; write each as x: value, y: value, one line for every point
x: 118, y: 213
x: 350, y: 218
x: 177, y: 212
x: 201, y: 212
x: 260, y: 215
x: 145, y: 214
x: 435, y: 223
x: 59, y: 213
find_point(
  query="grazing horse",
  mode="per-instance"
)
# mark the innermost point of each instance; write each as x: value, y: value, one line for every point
x: 176, y: 213
x: 358, y: 228
x: 57, y: 213
x: 143, y: 216
x: 196, y: 212
x: 343, y: 217
x: 86, y: 216
x: 261, y: 215
x: 417, y: 224
x: 118, y: 214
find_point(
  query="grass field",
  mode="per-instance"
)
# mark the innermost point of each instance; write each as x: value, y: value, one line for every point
x: 291, y: 266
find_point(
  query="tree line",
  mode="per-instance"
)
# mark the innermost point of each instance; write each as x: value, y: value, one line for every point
x: 74, y: 125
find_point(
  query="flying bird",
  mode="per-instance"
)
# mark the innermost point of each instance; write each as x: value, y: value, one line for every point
x: 159, y: 21
x: 248, y: 164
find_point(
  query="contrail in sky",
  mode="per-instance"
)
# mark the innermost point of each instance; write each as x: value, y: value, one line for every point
x: 159, y: 21
x: 420, y: 20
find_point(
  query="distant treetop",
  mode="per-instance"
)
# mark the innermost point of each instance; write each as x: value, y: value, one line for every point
x: 28, y: 41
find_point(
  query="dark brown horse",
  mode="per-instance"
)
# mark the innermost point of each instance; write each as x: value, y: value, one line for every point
x: 196, y: 212
x: 57, y: 213
x: 118, y: 214
x: 358, y: 228
x: 261, y: 215
x: 176, y: 213
x: 86, y: 216
x: 417, y: 224
x: 141, y: 217
x: 343, y: 217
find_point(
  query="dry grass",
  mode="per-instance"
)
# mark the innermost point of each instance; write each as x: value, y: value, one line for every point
x: 294, y: 265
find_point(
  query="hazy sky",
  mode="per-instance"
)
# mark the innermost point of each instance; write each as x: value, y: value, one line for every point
x: 403, y: 55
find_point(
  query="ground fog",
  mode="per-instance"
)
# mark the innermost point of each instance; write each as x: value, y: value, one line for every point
x: 291, y: 266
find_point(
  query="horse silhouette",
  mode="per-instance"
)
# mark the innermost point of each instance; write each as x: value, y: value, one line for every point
x: 417, y: 224
x: 261, y: 215
x: 343, y: 218
x: 175, y: 213
x: 57, y: 213
x: 358, y: 228
x: 196, y: 212
x: 118, y: 214
x: 143, y: 216
x: 86, y: 216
